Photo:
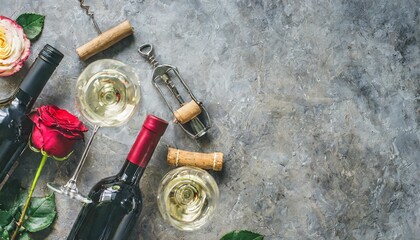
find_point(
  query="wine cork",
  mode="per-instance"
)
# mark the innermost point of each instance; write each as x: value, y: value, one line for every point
x: 187, y: 112
x: 210, y: 161
x: 105, y: 40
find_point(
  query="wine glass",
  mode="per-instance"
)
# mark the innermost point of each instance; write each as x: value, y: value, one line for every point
x: 187, y: 197
x: 108, y: 93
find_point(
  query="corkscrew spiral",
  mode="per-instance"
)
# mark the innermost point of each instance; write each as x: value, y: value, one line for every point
x: 91, y: 14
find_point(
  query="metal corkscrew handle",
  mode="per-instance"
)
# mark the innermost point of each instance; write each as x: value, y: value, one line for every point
x: 146, y: 50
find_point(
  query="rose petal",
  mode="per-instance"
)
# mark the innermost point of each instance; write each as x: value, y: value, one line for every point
x: 74, y: 135
x: 46, y: 113
x: 36, y: 138
x: 68, y: 120
x: 14, y: 46
x: 55, y: 144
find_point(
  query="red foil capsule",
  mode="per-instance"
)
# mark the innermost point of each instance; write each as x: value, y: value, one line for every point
x: 147, y: 140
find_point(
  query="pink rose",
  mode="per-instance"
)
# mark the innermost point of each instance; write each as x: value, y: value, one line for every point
x: 55, y: 131
x: 14, y: 46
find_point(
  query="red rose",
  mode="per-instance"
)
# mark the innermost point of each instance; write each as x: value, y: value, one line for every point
x: 55, y: 131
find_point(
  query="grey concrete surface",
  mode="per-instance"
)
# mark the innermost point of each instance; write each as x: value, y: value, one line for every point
x: 316, y: 105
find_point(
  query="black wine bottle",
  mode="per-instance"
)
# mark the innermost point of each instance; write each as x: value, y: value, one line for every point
x: 15, y: 126
x: 116, y: 201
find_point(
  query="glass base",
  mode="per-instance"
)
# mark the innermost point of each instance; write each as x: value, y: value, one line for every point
x: 70, y: 192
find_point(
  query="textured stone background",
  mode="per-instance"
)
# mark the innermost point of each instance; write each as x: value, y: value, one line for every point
x: 316, y: 105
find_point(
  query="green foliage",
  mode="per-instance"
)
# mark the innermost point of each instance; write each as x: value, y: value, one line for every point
x: 242, y: 235
x: 32, y: 24
x: 40, y: 215
x: 24, y: 236
x: 5, y: 217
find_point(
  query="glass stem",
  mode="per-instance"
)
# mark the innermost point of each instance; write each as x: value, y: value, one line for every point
x: 72, y: 182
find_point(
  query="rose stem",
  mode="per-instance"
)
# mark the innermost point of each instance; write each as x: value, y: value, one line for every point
x: 28, y: 200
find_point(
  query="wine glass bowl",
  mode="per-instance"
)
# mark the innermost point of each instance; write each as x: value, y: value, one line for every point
x: 187, y: 197
x: 108, y: 93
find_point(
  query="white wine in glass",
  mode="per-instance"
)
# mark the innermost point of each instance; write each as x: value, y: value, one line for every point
x: 187, y: 197
x: 108, y: 93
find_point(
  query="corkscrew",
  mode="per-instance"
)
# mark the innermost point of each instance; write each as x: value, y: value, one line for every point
x: 191, y: 116
x: 91, y: 14
x: 105, y: 39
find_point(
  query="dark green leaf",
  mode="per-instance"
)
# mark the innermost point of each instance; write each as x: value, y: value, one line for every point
x: 242, y: 235
x: 24, y: 236
x: 32, y: 24
x: 41, y: 213
x: 4, y: 235
x: 7, y: 229
x: 10, y: 227
x: 5, y: 218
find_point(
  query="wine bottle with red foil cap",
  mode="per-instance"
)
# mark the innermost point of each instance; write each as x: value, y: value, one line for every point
x: 116, y: 201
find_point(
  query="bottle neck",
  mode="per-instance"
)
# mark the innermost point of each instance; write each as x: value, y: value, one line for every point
x: 37, y: 77
x: 143, y: 148
x: 130, y: 173
x: 139, y: 156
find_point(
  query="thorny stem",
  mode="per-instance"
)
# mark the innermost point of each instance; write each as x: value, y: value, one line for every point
x: 28, y: 199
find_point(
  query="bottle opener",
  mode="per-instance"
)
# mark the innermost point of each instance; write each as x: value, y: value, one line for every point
x: 191, y: 116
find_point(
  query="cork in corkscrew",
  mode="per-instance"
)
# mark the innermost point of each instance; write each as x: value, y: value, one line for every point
x: 187, y: 112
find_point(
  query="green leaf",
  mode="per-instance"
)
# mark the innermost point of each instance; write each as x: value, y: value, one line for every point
x: 32, y: 24
x: 5, y: 218
x: 4, y: 235
x: 242, y: 235
x: 41, y: 213
x: 10, y: 227
x: 24, y: 236
x: 6, y: 230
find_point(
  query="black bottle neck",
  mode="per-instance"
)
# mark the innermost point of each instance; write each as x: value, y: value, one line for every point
x: 40, y: 71
x: 130, y: 173
x: 37, y: 77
